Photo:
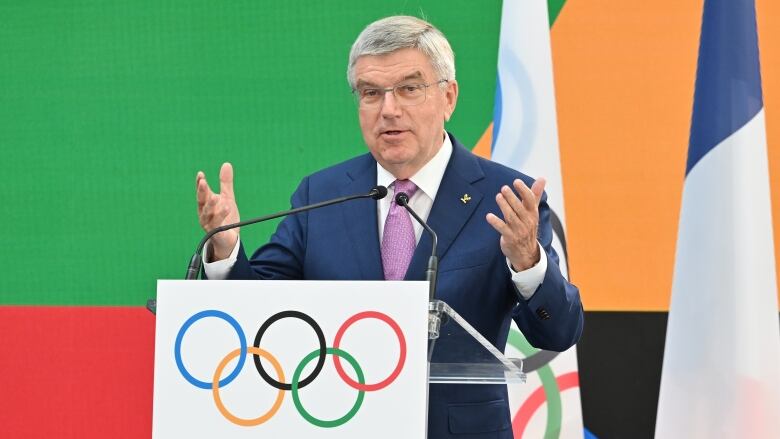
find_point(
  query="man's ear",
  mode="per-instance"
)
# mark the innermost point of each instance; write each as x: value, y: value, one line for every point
x: 451, y: 98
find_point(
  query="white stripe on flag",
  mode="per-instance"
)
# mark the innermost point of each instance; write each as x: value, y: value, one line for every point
x: 721, y: 370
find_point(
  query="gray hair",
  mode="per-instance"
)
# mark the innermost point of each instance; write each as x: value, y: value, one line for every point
x: 403, y: 32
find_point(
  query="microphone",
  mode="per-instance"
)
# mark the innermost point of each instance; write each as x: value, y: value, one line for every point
x: 402, y: 199
x: 193, y: 270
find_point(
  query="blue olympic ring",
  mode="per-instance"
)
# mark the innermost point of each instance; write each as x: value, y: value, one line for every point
x: 241, y: 356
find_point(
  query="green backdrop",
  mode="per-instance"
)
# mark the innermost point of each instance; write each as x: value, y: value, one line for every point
x: 109, y: 108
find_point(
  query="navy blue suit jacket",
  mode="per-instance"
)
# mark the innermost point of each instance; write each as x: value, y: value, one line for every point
x: 342, y: 243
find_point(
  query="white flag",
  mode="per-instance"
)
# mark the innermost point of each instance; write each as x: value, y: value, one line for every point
x: 525, y: 137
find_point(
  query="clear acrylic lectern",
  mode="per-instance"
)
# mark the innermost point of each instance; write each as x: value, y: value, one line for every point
x: 458, y: 354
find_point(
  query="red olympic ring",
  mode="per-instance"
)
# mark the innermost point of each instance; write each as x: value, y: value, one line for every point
x: 401, y: 358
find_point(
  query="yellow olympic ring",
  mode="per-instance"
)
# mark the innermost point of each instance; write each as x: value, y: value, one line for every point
x: 218, y: 401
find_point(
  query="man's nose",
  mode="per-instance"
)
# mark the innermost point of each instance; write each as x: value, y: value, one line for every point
x: 390, y: 106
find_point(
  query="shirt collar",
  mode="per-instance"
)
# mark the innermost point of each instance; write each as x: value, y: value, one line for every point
x: 428, y: 178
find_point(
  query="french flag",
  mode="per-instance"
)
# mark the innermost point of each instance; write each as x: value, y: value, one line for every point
x: 721, y: 368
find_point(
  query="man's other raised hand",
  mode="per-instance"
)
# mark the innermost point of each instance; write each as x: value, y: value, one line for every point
x: 216, y: 210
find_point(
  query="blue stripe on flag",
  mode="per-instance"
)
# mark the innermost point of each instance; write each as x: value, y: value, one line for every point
x: 728, y: 80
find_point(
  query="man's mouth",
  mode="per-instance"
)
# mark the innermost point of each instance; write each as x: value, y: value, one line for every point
x: 392, y: 132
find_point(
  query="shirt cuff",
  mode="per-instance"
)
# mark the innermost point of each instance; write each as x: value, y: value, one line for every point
x: 219, y: 270
x: 527, y: 281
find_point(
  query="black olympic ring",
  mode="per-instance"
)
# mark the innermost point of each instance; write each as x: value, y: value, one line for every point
x: 320, y: 361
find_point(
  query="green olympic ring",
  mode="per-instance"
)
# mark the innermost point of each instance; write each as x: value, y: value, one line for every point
x: 296, y: 398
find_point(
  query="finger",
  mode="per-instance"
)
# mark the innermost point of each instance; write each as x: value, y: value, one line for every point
x: 212, y: 200
x: 209, y: 211
x: 203, y: 192
x: 496, y: 222
x: 226, y: 179
x: 520, y: 222
x: 506, y: 211
x: 513, y: 200
x: 210, y: 206
x: 526, y: 195
x: 538, y: 189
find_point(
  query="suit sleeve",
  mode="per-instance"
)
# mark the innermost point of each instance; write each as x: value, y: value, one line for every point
x: 282, y: 257
x: 552, y: 318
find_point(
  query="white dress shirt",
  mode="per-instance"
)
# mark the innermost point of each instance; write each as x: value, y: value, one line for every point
x: 427, y: 180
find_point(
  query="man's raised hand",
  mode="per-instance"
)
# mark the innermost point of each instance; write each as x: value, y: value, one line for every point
x: 216, y: 210
x: 519, y: 226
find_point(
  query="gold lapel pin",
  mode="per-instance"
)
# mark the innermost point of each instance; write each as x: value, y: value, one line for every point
x: 465, y: 198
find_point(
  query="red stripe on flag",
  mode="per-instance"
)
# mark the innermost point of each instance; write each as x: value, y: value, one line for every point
x: 76, y: 372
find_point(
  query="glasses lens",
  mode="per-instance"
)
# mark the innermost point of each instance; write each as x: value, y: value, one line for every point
x: 410, y: 94
x: 370, y: 96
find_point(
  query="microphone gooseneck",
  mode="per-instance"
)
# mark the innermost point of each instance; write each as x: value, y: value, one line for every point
x: 431, y: 273
x: 193, y: 269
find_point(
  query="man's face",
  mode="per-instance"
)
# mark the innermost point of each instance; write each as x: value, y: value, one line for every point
x: 403, y: 138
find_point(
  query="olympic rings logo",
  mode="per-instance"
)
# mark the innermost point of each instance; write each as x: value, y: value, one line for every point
x: 296, y: 382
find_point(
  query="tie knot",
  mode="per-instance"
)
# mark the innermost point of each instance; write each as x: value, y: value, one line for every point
x: 405, y: 186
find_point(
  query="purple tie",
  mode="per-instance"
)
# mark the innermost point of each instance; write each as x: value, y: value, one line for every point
x: 398, y: 241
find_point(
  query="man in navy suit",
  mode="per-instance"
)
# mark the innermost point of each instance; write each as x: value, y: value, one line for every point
x: 496, y: 260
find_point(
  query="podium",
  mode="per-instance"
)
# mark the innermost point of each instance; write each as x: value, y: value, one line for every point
x: 197, y: 358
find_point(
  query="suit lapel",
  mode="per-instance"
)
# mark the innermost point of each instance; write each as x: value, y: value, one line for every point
x: 449, y: 213
x: 360, y: 220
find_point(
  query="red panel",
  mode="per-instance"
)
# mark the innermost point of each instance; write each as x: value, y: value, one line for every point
x: 76, y: 372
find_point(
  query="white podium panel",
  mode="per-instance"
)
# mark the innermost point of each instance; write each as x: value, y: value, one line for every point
x: 290, y: 359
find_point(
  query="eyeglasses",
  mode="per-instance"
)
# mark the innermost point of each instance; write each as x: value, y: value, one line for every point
x: 406, y: 94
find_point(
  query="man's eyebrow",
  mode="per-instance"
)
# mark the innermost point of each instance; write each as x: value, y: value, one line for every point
x: 416, y: 75
x: 363, y: 83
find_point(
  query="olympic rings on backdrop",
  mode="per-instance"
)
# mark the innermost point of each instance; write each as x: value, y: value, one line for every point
x: 215, y: 388
x: 296, y: 399
x: 180, y: 337
x: 296, y: 383
x: 320, y: 336
x: 401, y: 357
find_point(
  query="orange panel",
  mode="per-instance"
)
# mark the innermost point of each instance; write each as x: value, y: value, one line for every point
x: 624, y: 77
x: 482, y: 148
x: 769, y: 50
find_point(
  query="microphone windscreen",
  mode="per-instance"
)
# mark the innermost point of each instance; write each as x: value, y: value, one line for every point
x: 401, y: 199
x: 379, y: 192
